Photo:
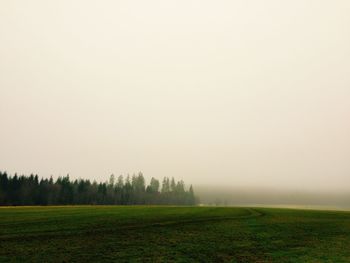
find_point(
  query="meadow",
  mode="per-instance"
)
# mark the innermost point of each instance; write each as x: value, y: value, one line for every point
x: 172, y: 234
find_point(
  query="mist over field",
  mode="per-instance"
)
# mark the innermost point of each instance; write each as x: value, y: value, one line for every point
x: 240, y: 196
x: 250, y: 95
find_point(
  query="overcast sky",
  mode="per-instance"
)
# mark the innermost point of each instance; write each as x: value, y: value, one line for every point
x: 243, y: 93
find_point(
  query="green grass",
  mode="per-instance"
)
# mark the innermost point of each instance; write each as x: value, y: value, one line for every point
x: 172, y: 234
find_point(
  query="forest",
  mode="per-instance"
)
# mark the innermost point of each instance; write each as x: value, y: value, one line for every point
x: 131, y: 190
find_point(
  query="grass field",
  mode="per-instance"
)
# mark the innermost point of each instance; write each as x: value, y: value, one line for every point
x: 184, y: 234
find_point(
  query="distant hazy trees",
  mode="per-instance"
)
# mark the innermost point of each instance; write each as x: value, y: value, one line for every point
x: 29, y: 190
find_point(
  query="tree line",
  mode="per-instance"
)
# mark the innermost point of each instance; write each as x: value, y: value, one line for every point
x: 131, y: 190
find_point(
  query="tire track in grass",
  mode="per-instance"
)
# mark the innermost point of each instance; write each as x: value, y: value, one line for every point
x: 253, y: 213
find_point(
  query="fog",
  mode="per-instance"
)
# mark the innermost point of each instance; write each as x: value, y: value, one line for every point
x: 243, y: 94
x: 269, y: 197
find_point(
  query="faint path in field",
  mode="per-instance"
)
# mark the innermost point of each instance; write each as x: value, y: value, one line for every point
x: 253, y: 213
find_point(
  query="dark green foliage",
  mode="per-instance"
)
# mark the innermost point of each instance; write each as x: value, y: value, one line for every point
x: 28, y: 190
x: 172, y: 234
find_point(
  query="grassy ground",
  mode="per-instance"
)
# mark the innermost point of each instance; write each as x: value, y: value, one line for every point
x: 168, y: 234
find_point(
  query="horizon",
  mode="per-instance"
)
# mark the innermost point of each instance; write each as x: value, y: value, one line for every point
x: 209, y: 195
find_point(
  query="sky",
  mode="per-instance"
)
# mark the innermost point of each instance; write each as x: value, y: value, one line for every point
x: 236, y: 93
